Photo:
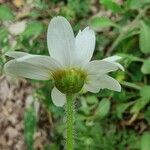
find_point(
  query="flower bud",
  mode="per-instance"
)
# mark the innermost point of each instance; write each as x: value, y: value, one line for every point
x: 69, y: 80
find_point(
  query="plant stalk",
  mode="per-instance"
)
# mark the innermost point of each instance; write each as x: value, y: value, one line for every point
x: 123, y: 32
x: 70, y: 122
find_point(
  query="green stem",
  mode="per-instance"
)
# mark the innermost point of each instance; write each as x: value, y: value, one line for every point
x: 124, y: 31
x: 131, y: 85
x: 115, y: 43
x: 70, y: 120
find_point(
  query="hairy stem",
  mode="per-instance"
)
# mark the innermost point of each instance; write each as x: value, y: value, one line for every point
x: 70, y: 121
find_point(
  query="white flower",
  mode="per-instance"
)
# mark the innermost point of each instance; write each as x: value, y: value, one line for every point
x: 69, y: 62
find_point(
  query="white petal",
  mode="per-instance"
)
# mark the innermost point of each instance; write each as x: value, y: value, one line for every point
x: 58, y: 98
x: 102, y: 82
x: 27, y: 70
x: 43, y: 61
x: 113, y: 59
x: 92, y: 85
x: 85, y: 45
x: 60, y: 40
x: 100, y: 67
x: 119, y: 66
x: 38, y: 60
x: 16, y: 54
x: 109, y: 83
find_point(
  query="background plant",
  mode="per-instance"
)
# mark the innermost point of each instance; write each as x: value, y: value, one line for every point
x: 107, y: 120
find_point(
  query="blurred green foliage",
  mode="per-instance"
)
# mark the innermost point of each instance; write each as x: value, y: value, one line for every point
x: 29, y: 126
x: 107, y: 120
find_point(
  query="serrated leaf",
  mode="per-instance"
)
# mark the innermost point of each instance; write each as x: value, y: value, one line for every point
x: 103, y: 108
x: 6, y: 13
x: 33, y: 29
x: 145, y: 141
x: 113, y: 6
x: 144, y: 38
x: 146, y: 67
x: 102, y: 22
x: 29, y: 126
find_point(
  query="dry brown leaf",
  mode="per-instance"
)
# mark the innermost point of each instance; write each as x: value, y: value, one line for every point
x: 17, y: 27
x: 18, y: 3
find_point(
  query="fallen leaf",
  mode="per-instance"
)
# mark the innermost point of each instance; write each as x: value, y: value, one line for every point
x: 17, y: 27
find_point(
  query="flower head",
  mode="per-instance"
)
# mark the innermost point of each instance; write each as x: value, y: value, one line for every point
x: 69, y: 63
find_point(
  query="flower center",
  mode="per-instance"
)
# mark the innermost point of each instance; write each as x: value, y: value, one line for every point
x: 69, y: 80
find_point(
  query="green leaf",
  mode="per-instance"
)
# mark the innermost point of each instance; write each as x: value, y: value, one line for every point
x: 6, y: 13
x: 122, y: 107
x: 51, y: 147
x: 84, y: 106
x: 131, y: 33
x: 91, y: 100
x: 131, y: 57
x: 145, y: 141
x: 145, y: 92
x: 140, y: 104
x: 143, y: 101
x: 33, y: 29
x: 103, y: 108
x: 136, y: 4
x: 3, y: 34
x: 102, y: 22
x: 145, y: 37
x: 29, y: 126
x: 113, y: 6
x: 146, y: 67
